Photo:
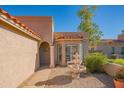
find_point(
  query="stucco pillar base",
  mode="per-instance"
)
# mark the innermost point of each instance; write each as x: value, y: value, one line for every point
x: 63, y: 64
x: 52, y: 64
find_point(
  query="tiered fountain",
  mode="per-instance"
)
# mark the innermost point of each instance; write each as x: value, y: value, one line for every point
x: 75, y: 66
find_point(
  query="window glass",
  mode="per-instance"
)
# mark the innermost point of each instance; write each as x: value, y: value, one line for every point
x: 122, y: 50
x: 113, y: 50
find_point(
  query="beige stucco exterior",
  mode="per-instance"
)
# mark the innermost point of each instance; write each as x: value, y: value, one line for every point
x: 112, y: 68
x: 25, y: 48
x: 69, y: 40
x: 18, y: 56
x: 43, y: 26
x: 107, y: 49
x: 112, y: 47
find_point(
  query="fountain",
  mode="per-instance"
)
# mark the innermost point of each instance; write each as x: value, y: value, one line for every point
x: 75, y: 66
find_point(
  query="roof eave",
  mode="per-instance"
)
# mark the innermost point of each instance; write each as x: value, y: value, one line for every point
x: 17, y: 26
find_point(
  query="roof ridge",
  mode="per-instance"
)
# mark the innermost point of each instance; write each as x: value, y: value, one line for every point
x: 30, y: 16
x: 69, y: 32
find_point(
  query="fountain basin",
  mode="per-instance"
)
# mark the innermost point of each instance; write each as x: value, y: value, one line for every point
x: 75, y: 70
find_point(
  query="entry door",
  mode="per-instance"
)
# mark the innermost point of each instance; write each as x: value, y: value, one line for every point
x: 70, y: 51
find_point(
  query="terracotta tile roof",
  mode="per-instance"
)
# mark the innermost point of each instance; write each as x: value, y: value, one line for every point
x: 112, y: 40
x: 70, y: 35
x: 42, y: 25
x: 17, y: 21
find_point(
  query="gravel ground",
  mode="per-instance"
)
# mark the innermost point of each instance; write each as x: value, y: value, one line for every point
x: 60, y: 78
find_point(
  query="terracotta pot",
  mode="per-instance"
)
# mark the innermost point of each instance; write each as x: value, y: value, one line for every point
x: 119, y: 83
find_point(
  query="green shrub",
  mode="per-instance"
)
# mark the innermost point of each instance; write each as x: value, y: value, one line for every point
x: 117, y: 61
x: 95, y: 61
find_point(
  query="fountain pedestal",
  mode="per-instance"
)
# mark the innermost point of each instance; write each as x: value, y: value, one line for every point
x: 75, y: 66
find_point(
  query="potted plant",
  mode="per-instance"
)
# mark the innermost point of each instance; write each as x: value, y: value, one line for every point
x: 119, y: 79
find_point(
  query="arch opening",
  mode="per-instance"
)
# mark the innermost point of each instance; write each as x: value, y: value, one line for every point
x: 44, y: 54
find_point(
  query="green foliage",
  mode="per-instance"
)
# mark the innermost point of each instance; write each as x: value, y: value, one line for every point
x: 95, y: 61
x: 87, y: 24
x: 117, y: 61
x: 120, y: 74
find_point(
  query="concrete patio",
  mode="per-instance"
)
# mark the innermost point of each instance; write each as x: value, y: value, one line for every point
x: 59, y: 78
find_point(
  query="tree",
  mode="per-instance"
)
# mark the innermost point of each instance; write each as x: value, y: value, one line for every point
x: 87, y: 24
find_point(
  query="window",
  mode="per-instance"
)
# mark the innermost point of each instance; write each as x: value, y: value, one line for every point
x: 92, y: 49
x: 71, y: 49
x: 122, y: 50
x: 113, y: 50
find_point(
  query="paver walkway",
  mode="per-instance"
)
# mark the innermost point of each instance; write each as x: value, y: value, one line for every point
x: 60, y: 78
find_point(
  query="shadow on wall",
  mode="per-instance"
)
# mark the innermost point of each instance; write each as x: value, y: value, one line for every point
x: 37, y: 62
x: 58, y: 80
x: 44, y: 54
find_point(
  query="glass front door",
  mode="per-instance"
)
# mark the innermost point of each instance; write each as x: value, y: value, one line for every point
x: 71, y: 49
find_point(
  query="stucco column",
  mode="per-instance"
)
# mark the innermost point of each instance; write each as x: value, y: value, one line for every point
x: 52, y: 65
x: 63, y: 55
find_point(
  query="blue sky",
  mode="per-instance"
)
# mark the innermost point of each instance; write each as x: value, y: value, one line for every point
x: 109, y: 18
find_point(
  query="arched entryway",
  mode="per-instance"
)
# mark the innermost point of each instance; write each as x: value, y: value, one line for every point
x: 44, y: 54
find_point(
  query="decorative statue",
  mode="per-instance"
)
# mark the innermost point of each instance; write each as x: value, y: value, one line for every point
x: 75, y: 66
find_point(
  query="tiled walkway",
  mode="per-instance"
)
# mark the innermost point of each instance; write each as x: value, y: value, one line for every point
x: 60, y: 78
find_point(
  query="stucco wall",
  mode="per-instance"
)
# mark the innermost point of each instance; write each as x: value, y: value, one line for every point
x: 18, y: 57
x: 107, y: 49
x: 43, y: 25
x: 112, y: 68
x: 85, y: 49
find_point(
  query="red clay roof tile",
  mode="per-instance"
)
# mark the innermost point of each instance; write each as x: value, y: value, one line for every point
x: 69, y: 35
x: 17, y: 21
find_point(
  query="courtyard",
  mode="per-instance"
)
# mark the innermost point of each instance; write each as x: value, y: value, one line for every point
x: 59, y: 78
x: 102, y: 58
